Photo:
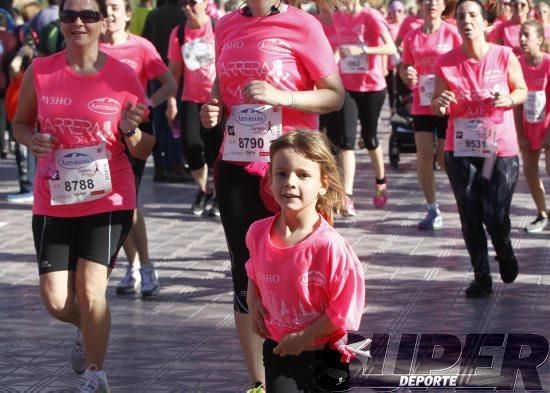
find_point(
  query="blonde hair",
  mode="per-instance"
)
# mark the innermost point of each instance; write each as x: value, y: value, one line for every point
x: 315, y: 146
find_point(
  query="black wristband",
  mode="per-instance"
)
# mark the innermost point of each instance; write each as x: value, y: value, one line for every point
x: 129, y: 133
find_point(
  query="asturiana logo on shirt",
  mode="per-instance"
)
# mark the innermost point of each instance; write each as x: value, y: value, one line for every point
x: 313, y: 278
x: 250, y: 117
x: 492, y: 75
x: 275, y: 45
x: 75, y: 161
x: 105, y: 106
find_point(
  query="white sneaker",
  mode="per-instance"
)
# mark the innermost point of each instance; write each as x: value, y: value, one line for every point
x: 149, y: 281
x: 94, y: 381
x: 129, y: 282
x: 78, y: 355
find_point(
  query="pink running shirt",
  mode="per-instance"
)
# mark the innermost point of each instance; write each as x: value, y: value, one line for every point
x: 289, y: 50
x: 508, y: 33
x: 411, y: 22
x: 140, y: 55
x: 421, y: 50
x: 298, y: 284
x: 84, y: 110
x: 538, y: 80
x: 472, y: 82
x: 366, y: 28
x: 199, y: 68
x: 394, y: 29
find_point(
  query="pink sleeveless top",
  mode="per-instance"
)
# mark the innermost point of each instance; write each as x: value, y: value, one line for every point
x: 84, y: 110
x: 473, y: 81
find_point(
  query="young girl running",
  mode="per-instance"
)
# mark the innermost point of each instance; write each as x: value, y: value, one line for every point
x: 533, y: 133
x: 306, y: 285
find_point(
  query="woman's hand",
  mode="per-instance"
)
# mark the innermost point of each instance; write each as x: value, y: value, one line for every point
x: 261, y: 91
x: 131, y: 117
x: 501, y: 100
x: 42, y: 144
x: 292, y: 344
x: 441, y: 103
x: 171, y: 109
x: 411, y: 76
x: 211, y: 114
x: 350, y: 50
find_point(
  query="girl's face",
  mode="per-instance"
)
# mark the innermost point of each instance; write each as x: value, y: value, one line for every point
x: 81, y: 22
x: 520, y: 7
x: 541, y: 11
x: 193, y: 9
x: 296, y: 181
x: 432, y: 9
x: 529, y: 40
x: 118, y: 17
x: 470, y: 21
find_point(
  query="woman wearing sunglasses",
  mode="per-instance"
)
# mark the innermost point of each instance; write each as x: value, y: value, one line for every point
x: 275, y: 72
x: 87, y: 106
x: 478, y: 84
x: 191, y: 57
x: 507, y: 33
x: 144, y: 59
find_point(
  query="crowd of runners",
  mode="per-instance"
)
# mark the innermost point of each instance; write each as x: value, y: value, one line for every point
x: 262, y: 105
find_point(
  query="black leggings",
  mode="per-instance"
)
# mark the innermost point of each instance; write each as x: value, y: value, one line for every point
x: 239, y: 201
x: 305, y: 373
x: 200, y: 145
x: 369, y: 106
x: 483, y: 202
x: 342, y: 126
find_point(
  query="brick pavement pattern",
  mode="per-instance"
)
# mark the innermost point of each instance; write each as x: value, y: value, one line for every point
x: 184, y: 339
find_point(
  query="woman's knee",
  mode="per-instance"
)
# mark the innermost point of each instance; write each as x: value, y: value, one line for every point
x: 59, y: 305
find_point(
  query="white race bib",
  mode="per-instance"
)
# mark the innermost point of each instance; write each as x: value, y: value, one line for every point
x: 535, y: 107
x: 354, y: 64
x: 81, y: 175
x: 249, y: 132
x: 426, y: 86
x: 474, y: 137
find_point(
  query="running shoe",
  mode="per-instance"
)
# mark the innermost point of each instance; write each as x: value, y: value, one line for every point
x: 149, y: 281
x: 129, y: 282
x: 380, y: 198
x: 201, y: 200
x: 78, y: 355
x: 480, y: 287
x: 508, y: 266
x: 257, y: 387
x: 433, y: 220
x: 21, y: 197
x: 538, y: 225
x: 349, y: 208
x: 214, y: 210
x: 94, y: 382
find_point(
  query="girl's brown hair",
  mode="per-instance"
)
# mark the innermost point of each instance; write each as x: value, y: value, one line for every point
x: 315, y: 146
x: 539, y: 30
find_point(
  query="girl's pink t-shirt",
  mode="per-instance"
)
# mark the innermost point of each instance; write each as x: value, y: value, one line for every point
x: 197, y: 57
x: 299, y: 284
x: 85, y: 110
x: 364, y: 28
x: 421, y: 50
x: 538, y: 80
x: 288, y: 50
x: 140, y: 55
x: 473, y: 81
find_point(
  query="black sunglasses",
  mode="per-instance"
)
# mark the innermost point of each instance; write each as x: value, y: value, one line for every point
x: 86, y: 16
